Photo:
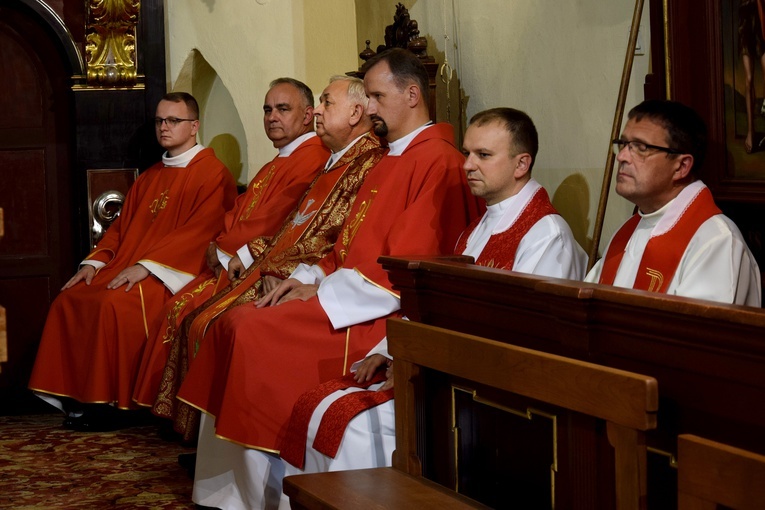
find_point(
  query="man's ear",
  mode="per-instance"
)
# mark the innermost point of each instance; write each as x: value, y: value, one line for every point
x: 308, y: 118
x: 413, y: 95
x: 523, y: 166
x: 194, y: 127
x: 685, y: 163
x: 356, y: 115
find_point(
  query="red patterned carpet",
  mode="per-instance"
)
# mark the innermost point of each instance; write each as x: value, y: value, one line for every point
x: 43, y: 465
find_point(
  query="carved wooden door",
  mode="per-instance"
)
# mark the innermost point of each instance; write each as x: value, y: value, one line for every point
x: 36, y: 182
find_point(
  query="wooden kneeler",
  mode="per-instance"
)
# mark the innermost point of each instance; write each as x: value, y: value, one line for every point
x: 711, y: 473
x: 628, y: 403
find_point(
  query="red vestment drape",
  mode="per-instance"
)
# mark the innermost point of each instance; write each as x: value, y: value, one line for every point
x: 93, y: 336
x: 259, y: 212
x: 255, y: 363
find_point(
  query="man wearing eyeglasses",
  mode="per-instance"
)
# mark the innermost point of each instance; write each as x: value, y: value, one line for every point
x: 305, y: 237
x: 678, y: 242
x: 97, y: 326
x: 258, y: 214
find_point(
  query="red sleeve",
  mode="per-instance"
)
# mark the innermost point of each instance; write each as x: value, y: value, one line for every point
x: 282, y: 194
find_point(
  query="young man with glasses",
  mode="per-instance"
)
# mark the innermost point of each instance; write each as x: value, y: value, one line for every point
x: 96, y: 328
x: 678, y: 242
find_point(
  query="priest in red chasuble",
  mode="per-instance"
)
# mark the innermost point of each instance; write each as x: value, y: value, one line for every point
x: 306, y: 236
x: 255, y: 361
x: 99, y: 324
x: 258, y: 214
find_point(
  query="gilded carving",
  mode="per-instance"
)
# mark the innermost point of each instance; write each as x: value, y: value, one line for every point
x: 110, y: 42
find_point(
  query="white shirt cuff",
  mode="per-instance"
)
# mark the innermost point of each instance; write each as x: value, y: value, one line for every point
x: 245, y: 256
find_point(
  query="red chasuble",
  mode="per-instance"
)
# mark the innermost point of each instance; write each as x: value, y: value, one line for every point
x: 499, y: 252
x: 94, y: 336
x: 257, y: 213
x: 306, y: 236
x: 254, y: 363
x: 663, y: 253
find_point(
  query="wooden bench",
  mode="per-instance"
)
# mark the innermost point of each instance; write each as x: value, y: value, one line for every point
x: 711, y: 473
x: 626, y: 401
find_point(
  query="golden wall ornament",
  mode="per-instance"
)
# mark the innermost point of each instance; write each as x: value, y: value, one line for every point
x: 110, y: 42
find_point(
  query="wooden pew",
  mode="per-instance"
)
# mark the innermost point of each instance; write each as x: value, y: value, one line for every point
x: 708, y: 358
x: 711, y: 473
x: 423, y: 354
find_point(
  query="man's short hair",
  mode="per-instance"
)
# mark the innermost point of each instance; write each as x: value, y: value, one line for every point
x: 356, y: 92
x: 184, y: 97
x: 304, y: 90
x: 405, y: 67
x: 686, y: 129
x: 518, y: 124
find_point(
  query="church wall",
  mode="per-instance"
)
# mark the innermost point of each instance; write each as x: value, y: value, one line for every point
x: 561, y: 62
x: 247, y: 43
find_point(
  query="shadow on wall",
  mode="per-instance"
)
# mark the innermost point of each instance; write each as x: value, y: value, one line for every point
x: 221, y: 127
x: 572, y: 200
x: 227, y: 149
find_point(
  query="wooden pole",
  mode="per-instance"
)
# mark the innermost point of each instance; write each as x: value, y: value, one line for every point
x: 623, y: 87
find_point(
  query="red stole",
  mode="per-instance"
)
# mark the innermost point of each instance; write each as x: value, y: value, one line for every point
x: 499, y: 252
x: 341, y: 411
x: 663, y: 252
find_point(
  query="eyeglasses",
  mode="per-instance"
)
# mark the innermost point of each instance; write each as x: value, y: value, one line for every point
x: 171, y: 121
x: 640, y: 149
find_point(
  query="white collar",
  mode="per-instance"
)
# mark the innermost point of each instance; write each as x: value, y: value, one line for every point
x: 288, y: 149
x: 668, y: 215
x: 182, y: 160
x: 512, y: 207
x: 398, y: 147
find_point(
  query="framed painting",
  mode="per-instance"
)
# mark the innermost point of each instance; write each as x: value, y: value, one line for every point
x: 708, y: 54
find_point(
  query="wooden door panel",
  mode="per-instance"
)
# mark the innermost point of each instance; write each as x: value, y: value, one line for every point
x: 22, y: 197
x: 21, y: 100
x: 37, y: 252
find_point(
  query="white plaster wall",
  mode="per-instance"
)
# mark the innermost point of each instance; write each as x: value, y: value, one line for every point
x: 250, y: 42
x: 560, y: 61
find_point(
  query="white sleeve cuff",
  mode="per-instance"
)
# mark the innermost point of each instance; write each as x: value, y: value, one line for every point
x: 95, y: 263
x: 245, y: 256
x: 309, y: 275
x: 223, y: 258
x: 173, y: 280
x: 348, y: 299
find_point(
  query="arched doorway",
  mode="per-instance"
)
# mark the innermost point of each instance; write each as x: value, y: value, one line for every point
x: 36, y: 184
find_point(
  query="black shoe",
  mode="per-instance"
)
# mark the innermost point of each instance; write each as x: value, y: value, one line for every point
x: 105, y: 418
x: 188, y: 461
x: 70, y: 422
